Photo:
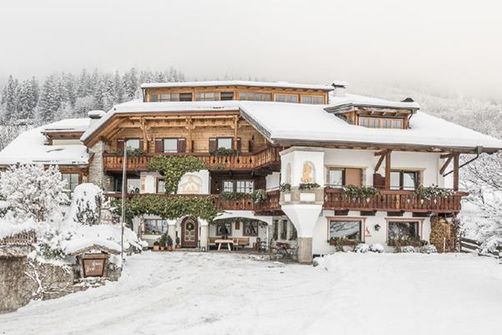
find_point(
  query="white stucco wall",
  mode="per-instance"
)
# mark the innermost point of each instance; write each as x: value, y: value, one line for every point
x: 370, y: 234
x: 273, y: 181
x: 297, y: 156
x: 149, y: 180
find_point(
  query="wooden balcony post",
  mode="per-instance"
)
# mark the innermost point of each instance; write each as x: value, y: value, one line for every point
x: 387, y: 170
x: 456, y: 167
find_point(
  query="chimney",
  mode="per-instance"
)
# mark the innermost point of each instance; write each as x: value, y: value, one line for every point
x: 339, y: 88
x: 95, y: 115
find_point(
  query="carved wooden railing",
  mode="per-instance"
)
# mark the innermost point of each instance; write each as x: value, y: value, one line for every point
x: 244, y: 203
x: 20, y: 239
x: 269, y: 205
x: 243, y: 161
x: 391, y: 201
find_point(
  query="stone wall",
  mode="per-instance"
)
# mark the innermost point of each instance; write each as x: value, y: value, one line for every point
x: 96, y: 167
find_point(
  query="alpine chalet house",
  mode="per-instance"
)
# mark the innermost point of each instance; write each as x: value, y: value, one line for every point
x: 336, y: 168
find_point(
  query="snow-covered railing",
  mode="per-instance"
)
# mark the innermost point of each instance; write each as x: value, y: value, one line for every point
x: 20, y: 239
x: 390, y: 200
x: 472, y: 246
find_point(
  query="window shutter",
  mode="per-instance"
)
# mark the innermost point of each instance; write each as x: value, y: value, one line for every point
x: 378, y: 180
x: 238, y: 144
x: 353, y: 177
x: 212, y: 144
x: 182, y: 145
x: 159, y: 145
x: 141, y: 143
x: 120, y: 145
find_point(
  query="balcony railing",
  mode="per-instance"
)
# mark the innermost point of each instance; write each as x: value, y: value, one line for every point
x: 392, y: 201
x: 269, y: 206
x: 244, y: 161
x: 221, y: 203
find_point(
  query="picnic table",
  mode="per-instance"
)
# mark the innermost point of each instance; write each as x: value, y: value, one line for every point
x: 228, y: 242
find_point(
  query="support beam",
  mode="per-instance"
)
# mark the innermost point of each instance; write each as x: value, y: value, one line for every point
x: 387, y: 170
x: 445, y: 165
x: 456, y: 168
x: 379, y: 163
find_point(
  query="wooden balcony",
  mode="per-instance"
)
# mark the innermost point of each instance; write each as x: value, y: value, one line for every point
x: 270, y: 205
x: 393, y: 201
x: 268, y: 157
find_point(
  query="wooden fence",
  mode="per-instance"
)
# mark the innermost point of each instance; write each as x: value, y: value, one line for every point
x: 20, y: 239
x: 472, y: 246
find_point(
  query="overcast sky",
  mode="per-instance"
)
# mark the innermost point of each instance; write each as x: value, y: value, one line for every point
x: 456, y: 45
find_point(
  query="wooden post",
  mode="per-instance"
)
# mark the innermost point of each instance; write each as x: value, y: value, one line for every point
x: 456, y: 164
x: 387, y: 170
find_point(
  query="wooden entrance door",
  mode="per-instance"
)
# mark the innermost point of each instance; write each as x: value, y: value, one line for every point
x: 189, y: 233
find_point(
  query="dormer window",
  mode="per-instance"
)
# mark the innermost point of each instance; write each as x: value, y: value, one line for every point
x: 381, y: 122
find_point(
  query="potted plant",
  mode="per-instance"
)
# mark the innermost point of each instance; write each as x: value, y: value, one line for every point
x: 156, y: 246
x: 286, y: 189
x: 169, y: 243
x: 178, y: 241
x: 306, y: 191
x: 163, y: 241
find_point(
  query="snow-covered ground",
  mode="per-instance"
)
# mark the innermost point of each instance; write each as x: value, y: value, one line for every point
x: 216, y: 293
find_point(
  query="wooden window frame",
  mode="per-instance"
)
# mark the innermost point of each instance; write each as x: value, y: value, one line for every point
x: 401, y: 178
x: 247, y: 223
x: 419, y: 221
x: 379, y: 121
x: 345, y: 219
x: 302, y: 96
x: 287, y: 95
x: 234, y: 184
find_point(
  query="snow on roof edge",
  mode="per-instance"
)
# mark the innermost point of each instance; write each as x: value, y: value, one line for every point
x: 281, y: 84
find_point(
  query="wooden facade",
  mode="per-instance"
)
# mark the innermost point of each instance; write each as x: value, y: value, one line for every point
x: 232, y: 92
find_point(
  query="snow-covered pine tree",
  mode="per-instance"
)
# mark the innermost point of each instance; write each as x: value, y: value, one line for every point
x: 33, y: 192
x: 10, y: 98
x: 27, y: 100
x: 118, y: 88
x: 130, y: 84
x: 50, y: 99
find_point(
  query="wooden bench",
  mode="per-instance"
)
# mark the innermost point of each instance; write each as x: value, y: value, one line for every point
x: 240, y: 242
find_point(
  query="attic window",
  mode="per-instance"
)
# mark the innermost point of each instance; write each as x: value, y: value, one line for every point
x: 380, y: 122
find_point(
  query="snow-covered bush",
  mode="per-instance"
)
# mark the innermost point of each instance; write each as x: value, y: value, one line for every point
x: 86, y: 204
x: 407, y: 249
x: 377, y: 248
x: 428, y: 249
x: 491, y: 244
x: 362, y: 248
x: 31, y: 191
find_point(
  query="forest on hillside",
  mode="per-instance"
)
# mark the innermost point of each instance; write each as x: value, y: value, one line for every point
x: 32, y: 102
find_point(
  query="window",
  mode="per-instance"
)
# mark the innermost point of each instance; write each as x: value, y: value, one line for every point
x: 207, y: 96
x: 161, y: 186
x: 133, y: 185
x: 169, y: 97
x: 376, y: 122
x: 185, y: 96
x: 255, y: 96
x: 227, y: 95
x: 154, y: 98
x: 284, y: 229
x: 312, y: 99
x: 250, y: 228
x: 170, y: 145
x: 155, y: 226
x: 339, y: 177
x: 404, y: 180
x: 336, y: 177
x: 223, y: 229
x: 238, y: 186
x: 71, y: 180
x: 402, y: 230
x: 345, y: 229
x: 224, y: 142
x: 286, y: 98
x: 133, y: 144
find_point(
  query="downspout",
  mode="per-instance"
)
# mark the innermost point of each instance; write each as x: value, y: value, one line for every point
x: 478, y: 152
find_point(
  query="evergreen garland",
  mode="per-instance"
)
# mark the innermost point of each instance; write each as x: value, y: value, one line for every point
x: 170, y: 207
x: 173, y: 168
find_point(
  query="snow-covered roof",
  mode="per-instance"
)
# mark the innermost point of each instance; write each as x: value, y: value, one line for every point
x: 68, y: 125
x: 306, y: 123
x: 312, y: 123
x: 281, y: 84
x: 363, y: 101
x: 30, y: 148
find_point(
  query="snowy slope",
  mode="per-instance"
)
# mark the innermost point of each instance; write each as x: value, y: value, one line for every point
x: 213, y: 293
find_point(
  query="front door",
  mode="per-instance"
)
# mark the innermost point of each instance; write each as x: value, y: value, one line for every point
x: 189, y: 233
